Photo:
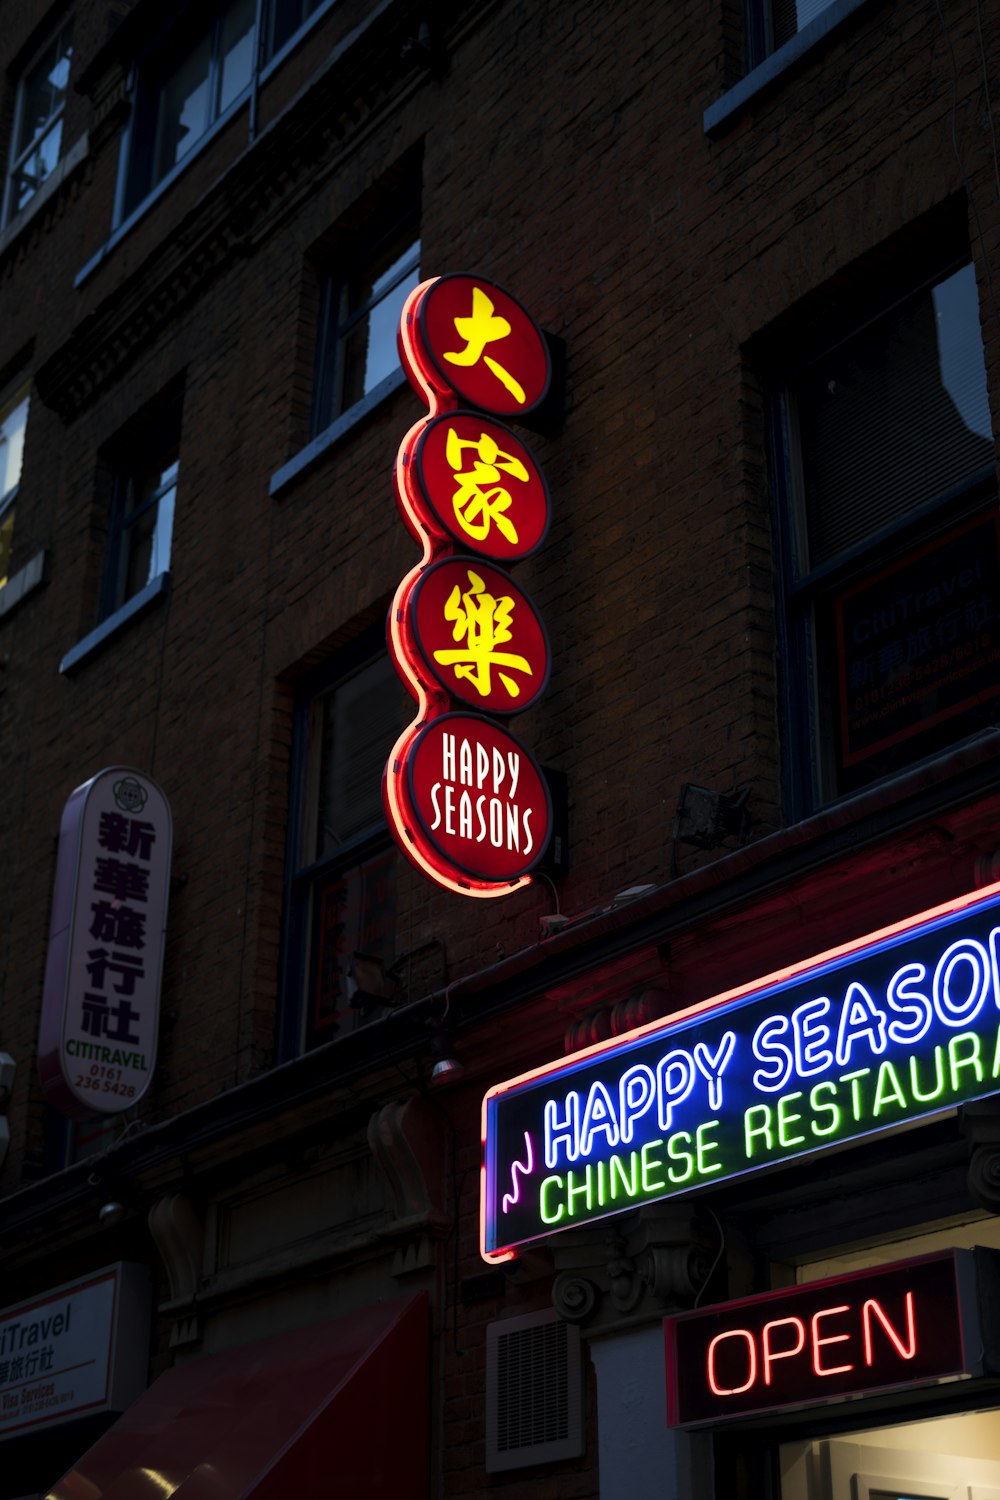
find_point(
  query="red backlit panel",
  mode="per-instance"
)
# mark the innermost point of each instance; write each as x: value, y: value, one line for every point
x: 479, y: 636
x: 483, y: 345
x: 894, y: 1326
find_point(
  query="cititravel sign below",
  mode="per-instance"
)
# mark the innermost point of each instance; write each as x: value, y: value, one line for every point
x: 889, y: 1029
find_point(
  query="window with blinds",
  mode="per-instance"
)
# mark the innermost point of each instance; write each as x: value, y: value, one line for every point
x: 892, y: 561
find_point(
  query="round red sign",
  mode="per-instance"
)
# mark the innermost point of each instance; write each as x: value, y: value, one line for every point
x: 480, y: 802
x: 485, y: 346
x: 479, y: 635
x: 474, y: 480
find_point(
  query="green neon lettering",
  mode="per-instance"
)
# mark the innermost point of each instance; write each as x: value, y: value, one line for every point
x: 547, y: 1217
x: 888, y: 1089
x: 938, y: 1088
x: 629, y: 1186
x: 584, y: 1189
x: 601, y: 1197
x: 704, y: 1146
x: 649, y: 1183
x: 956, y: 1063
x: 816, y: 1104
x: 854, y: 1079
x: 785, y: 1119
x: 751, y: 1130
x: 677, y: 1153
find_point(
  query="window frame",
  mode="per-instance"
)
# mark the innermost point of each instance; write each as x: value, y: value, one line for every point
x: 269, y: 53
x: 303, y: 880
x: 149, y: 446
x: 809, y: 769
x: 336, y: 320
x: 158, y: 64
x: 8, y: 499
x: 15, y: 158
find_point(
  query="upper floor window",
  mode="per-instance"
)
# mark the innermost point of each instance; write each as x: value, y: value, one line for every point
x: 186, y: 84
x: 142, y: 514
x: 282, y: 19
x: 13, y: 423
x: 885, y: 461
x: 342, y: 865
x: 36, y: 142
x: 787, y: 17
x: 362, y: 298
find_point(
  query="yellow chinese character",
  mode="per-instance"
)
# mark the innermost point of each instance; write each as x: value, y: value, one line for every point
x: 481, y: 500
x: 483, y: 328
x: 482, y: 621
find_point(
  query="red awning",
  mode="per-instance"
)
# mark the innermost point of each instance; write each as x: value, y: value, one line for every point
x: 338, y: 1408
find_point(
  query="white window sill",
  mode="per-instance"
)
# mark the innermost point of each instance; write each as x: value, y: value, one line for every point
x: 66, y: 164
x: 722, y: 113
x: 83, y: 650
x: 325, y: 440
x: 22, y: 583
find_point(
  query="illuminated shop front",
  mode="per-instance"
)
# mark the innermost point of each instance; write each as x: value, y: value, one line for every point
x: 802, y: 1127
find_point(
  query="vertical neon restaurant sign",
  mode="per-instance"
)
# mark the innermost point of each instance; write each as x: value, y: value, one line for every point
x: 892, y: 1028
x: 466, y: 801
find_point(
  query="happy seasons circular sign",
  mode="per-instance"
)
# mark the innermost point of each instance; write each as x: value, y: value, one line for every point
x: 480, y: 801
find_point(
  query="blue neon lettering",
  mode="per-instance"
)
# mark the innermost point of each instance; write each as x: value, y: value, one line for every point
x: 598, y: 1115
x: 714, y: 1065
x: 563, y: 1131
x: 859, y: 1017
x: 674, y: 1081
x: 636, y: 1092
x: 812, y: 1036
x: 775, y: 1055
x: 903, y: 998
x: 963, y: 1011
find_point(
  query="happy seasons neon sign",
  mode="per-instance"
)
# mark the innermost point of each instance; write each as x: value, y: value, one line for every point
x: 889, y: 1029
x: 464, y: 799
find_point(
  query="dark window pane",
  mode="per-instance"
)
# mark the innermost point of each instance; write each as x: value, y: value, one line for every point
x: 184, y: 108
x: 357, y: 723
x: 357, y: 342
x: 236, y: 52
x: 789, y: 16
x: 139, y: 547
x: 353, y: 912
x: 896, y: 588
x: 45, y: 89
x: 894, y: 417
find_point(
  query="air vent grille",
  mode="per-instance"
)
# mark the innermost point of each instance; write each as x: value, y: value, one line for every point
x: 534, y: 1391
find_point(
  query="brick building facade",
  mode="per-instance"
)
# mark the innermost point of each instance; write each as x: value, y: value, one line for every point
x: 764, y: 247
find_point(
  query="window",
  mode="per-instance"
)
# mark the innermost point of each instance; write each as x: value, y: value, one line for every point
x: 359, y: 313
x: 36, y: 142
x: 771, y: 23
x: 342, y: 884
x: 13, y: 422
x: 885, y: 466
x: 282, y: 19
x: 142, y: 514
x: 188, y: 82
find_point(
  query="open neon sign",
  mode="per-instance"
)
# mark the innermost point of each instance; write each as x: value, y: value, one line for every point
x: 892, y: 1028
x: 910, y: 1323
x: 465, y: 800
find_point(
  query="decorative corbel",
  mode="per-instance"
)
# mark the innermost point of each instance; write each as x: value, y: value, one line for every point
x: 409, y: 1140
x: 981, y: 1125
x: 179, y: 1235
